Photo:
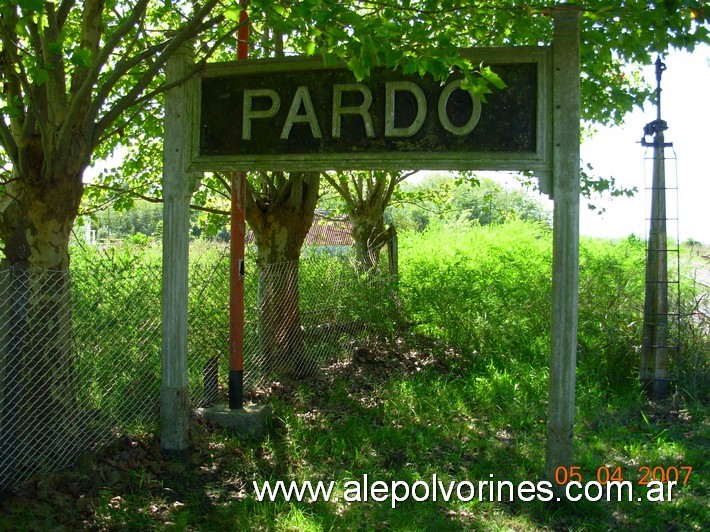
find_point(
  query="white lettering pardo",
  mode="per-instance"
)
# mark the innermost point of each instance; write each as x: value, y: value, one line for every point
x: 302, y: 110
x: 403, y: 86
x: 249, y: 113
x: 302, y: 96
x: 363, y: 109
x: 444, y: 119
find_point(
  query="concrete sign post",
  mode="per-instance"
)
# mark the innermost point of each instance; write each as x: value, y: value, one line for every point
x: 297, y: 114
x: 565, y: 252
x: 178, y: 186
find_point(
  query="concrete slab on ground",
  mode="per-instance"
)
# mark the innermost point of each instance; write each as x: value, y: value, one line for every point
x: 250, y: 422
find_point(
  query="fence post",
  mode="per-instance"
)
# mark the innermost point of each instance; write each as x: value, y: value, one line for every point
x: 14, y: 297
x: 565, y: 252
x: 7, y: 414
x: 393, y: 252
x: 178, y: 186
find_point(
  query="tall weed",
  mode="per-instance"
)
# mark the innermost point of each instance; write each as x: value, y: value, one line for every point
x: 483, y: 289
x: 611, y: 295
x: 486, y: 291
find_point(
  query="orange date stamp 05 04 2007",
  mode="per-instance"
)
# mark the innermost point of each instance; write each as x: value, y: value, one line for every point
x: 642, y: 475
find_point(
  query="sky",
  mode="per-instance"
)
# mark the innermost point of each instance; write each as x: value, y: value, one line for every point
x: 616, y: 151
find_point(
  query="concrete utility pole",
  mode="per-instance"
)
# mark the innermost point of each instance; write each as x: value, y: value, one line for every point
x: 655, y: 345
x: 565, y: 252
x: 178, y: 187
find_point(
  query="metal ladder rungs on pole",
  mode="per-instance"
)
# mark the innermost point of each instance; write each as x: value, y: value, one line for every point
x: 661, y: 322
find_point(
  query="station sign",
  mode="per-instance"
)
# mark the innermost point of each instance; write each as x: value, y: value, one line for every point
x: 295, y: 114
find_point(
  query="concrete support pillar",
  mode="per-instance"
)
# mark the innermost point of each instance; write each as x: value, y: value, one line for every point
x: 178, y: 186
x: 565, y: 261
x: 654, y: 347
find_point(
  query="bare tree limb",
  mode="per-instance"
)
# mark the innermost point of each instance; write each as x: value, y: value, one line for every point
x: 150, y: 199
x: 356, y: 178
x: 340, y: 187
x: 125, y: 65
x: 395, y: 179
x: 10, y: 49
x: 63, y: 12
x: 56, y: 83
x: 8, y: 142
x: 82, y: 86
x: 225, y: 183
x: 218, y: 191
x: 251, y: 207
x: 120, y: 69
x: 193, y: 27
x: 210, y: 210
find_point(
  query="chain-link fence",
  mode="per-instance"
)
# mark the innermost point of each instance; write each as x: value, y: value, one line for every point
x: 80, y: 354
x: 298, y: 316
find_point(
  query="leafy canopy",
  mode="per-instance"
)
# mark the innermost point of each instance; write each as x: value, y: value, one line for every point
x: 80, y: 76
x: 424, y: 36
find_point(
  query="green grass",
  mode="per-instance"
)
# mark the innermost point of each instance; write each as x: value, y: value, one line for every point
x: 459, y: 392
x: 406, y: 414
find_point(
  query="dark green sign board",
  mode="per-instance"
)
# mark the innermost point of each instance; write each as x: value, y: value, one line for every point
x: 298, y: 115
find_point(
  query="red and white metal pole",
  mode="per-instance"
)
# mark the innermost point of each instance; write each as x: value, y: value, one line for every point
x: 236, y: 265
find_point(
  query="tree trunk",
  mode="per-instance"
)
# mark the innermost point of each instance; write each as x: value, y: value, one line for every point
x: 39, y: 396
x: 280, y: 222
x: 366, y: 195
x: 370, y: 236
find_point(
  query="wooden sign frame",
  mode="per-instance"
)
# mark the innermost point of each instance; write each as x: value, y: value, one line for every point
x: 537, y: 160
x: 555, y: 160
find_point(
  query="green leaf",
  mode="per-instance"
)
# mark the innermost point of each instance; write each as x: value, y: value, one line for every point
x: 438, y: 68
x: 11, y: 111
x: 310, y: 48
x: 410, y: 67
x: 331, y: 60
x: 232, y: 14
x: 393, y: 57
x: 56, y: 47
x: 478, y: 85
x: 358, y: 68
x: 35, y: 6
x: 81, y: 57
x: 39, y: 76
x: 492, y: 78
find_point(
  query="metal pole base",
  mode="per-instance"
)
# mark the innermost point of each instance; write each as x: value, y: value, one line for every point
x: 236, y: 389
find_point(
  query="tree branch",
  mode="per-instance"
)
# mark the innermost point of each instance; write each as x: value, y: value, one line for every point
x: 225, y: 183
x: 210, y: 210
x: 125, y: 65
x: 339, y: 188
x: 8, y: 143
x: 23, y: 85
x: 152, y: 199
x: 394, y: 181
x: 405, y: 175
x: 254, y: 215
x: 131, y: 98
x: 357, y: 180
x: 220, y: 192
x: 19, y: 126
x: 121, y: 68
x: 82, y: 86
x: 57, y: 83
x: 63, y: 12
